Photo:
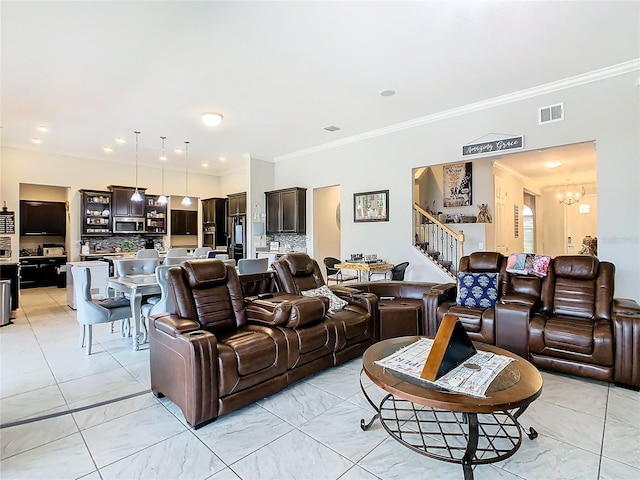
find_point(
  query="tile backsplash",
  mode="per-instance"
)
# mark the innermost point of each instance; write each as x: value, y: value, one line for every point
x: 5, y: 246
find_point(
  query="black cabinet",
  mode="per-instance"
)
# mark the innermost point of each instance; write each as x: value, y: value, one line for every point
x: 40, y: 272
x: 214, y: 222
x: 123, y: 206
x: 96, y: 212
x: 237, y: 204
x: 155, y: 216
x: 287, y: 211
x: 184, y: 222
x: 43, y: 218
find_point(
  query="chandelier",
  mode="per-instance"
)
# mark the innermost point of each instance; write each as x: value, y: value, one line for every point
x: 571, y: 196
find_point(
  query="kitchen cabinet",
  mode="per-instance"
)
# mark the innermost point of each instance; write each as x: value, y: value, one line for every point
x: 43, y: 218
x: 40, y: 271
x: 214, y: 222
x: 155, y: 216
x: 287, y: 211
x: 96, y: 212
x: 184, y: 222
x: 237, y: 204
x: 123, y: 206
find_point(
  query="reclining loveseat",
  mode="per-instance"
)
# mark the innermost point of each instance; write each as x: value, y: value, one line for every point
x: 214, y: 353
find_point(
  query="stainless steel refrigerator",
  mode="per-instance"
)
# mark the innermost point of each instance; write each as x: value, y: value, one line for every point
x: 237, y: 237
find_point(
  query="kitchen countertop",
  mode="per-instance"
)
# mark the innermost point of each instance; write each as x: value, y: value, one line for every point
x: 40, y: 257
x: 9, y: 261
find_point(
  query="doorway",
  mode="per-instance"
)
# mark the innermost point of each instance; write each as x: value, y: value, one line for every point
x: 326, y: 223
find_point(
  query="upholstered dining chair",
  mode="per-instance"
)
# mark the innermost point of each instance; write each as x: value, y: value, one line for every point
x: 252, y: 265
x: 90, y: 311
x: 147, y: 253
x: 177, y: 252
x: 176, y: 260
x: 201, y: 252
x: 164, y: 302
x: 336, y: 274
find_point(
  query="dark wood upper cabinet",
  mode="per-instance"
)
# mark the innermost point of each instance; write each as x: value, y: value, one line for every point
x: 287, y: 211
x: 123, y: 206
x: 43, y: 218
x: 184, y: 222
x: 96, y: 212
x: 237, y: 204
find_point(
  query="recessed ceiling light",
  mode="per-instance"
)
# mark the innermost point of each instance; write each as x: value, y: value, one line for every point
x: 121, y: 140
x: 37, y: 141
x: 388, y: 93
x: 211, y: 119
x: 178, y: 150
x: 43, y: 128
x: 223, y: 159
x: 553, y: 164
x: 107, y: 149
x: 164, y: 158
x: 204, y: 164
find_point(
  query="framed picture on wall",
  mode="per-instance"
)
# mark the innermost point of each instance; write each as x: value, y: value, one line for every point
x: 371, y: 206
x: 457, y: 185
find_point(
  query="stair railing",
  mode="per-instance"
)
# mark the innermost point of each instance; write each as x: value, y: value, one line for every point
x: 437, y: 241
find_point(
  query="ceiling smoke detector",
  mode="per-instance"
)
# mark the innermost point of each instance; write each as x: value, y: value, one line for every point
x: 331, y: 128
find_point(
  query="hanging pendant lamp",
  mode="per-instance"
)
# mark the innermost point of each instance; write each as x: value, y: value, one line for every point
x: 186, y: 201
x: 162, y: 199
x: 136, y: 197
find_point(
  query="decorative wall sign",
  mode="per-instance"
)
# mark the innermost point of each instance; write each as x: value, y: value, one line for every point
x: 7, y: 222
x: 513, y: 143
x: 457, y: 185
x: 371, y: 206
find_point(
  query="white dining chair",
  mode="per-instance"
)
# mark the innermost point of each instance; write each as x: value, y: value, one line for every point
x: 252, y: 265
x: 165, y: 303
x: 176, y: 260
x: 135, y: 266
x: 90, y: 311
x: 147, y: 253
x: 201, y: 252
x: 177, y: 252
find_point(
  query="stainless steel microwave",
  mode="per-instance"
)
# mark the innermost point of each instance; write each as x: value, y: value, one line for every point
x: 128, y: 225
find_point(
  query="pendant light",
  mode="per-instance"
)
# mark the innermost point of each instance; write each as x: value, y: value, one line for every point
x: 162, y: 199
x: 136, y: 197
x: 186, y: 201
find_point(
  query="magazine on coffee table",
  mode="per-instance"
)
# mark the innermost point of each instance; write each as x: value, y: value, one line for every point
x: 472, y: 377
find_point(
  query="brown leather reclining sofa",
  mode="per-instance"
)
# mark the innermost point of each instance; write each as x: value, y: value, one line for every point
x: 567, y: 321
x: 215, y: 353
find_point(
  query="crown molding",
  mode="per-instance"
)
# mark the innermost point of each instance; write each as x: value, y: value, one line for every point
x: 570, y: 82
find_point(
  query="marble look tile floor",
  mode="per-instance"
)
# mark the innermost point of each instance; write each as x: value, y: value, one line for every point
x: 587, y: 430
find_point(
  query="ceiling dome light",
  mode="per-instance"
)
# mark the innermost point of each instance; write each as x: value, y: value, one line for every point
x: 107, y: 149
x: 120, y: 140
x: 37, y: 141
x: 211, y: 119
x: 43, y: 128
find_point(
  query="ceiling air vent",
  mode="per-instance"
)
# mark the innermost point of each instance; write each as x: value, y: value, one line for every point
x: 552, y: 113
x: 331, y: 128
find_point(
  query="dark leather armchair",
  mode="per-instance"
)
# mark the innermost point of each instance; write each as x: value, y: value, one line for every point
x: 355, y: 325
x: 477, y: 321
x: 581, y: 329
x: 207, y: 357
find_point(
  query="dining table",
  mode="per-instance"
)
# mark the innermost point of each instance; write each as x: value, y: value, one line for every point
x: 136, y: 287
x: 368, y: 267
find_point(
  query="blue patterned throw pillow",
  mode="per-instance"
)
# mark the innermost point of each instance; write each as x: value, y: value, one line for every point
x: 477, y: 289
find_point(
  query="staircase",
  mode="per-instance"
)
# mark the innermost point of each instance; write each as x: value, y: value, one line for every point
x: 437, y: 242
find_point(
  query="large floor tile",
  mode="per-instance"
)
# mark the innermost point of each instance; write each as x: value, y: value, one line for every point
x: 340, y: 381
x: 90, y: 417
x: 582, y: 395
x: 624, y: 405
x: 30, y: 404
x: 622, y: 442
x: 299, y: 402
x: 612, y: 470
x: 64, y: 458
x: 12, y: 383
x: 240, y: 433
x: 279, y: 460
x: 100, y: 386
x: 24, y: 437
x: 114, y: 440
x: 181, y: 457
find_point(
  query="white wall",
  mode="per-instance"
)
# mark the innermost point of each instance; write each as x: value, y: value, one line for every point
x: 33, y: 167
x: 605, y: 111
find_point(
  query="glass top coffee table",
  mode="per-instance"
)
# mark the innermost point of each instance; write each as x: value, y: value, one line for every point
x: 450, y: 426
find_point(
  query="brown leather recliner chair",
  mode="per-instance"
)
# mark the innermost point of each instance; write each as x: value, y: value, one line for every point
x: 477, y: 321
x: 355, y: 325
x: 207, y: 358
x: 581, y: 329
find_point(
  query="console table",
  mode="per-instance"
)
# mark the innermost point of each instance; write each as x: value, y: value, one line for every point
x: 369, y: 268
x: 449, y: 426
